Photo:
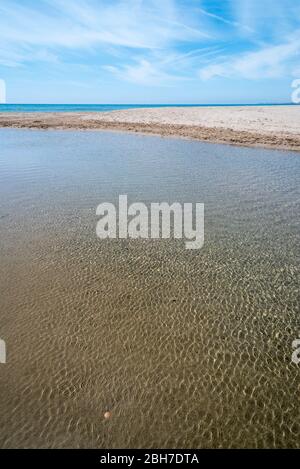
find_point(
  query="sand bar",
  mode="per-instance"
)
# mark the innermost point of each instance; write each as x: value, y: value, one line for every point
x: 261, y: 126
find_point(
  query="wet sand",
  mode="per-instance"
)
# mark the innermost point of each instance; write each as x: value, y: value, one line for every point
x: 181, y: 349
x: 260, y: 126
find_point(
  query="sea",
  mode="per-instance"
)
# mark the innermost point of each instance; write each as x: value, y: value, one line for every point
x: 108, y: 107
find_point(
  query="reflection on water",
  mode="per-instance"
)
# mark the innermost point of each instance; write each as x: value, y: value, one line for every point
x: 182, y: 348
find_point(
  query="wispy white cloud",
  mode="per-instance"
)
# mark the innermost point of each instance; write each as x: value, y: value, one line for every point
x: 161, y: 69
x: 144, y: 34
x: 11, y: 56
x: 143, y: 73
x: 267, y: 62
x: 233, y: 23
x: 154, y: 42
x: 88, y: 23
x: 267, y: 18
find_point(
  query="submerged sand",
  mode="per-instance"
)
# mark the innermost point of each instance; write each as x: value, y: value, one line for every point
x: 262, y: 126
x: 182, y: 348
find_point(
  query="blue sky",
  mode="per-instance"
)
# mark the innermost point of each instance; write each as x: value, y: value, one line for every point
x: 149, y: 51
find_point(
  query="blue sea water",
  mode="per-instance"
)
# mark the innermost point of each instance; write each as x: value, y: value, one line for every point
x: 100, y: 107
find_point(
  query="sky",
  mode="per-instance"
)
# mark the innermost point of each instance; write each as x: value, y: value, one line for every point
x: 149, y: 51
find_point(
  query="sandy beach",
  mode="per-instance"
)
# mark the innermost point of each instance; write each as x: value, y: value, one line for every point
x: 261, y: 126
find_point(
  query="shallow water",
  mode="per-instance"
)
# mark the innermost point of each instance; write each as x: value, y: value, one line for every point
x: 184, y: 348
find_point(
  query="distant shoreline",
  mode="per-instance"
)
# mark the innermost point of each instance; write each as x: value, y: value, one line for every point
x: 19, y: 107
x: 271, y: 126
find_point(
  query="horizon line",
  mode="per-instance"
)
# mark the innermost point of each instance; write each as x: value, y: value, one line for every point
x: 153, y: 104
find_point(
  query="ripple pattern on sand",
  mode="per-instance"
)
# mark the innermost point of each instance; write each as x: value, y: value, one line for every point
x: 184, y: 348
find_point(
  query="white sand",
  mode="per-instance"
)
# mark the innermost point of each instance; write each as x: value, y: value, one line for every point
x: 262, y: 119
x: 261, y: 126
